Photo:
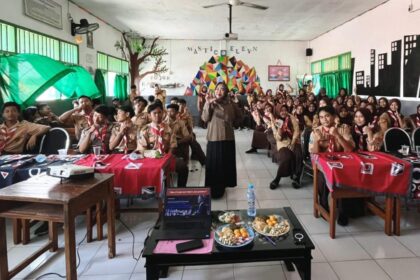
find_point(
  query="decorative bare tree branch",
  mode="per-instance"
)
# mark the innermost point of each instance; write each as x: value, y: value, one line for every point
x: 138, y: 53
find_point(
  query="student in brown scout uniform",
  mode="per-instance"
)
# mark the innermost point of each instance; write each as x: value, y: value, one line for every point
x: 221, y: 116
x: 158, y: 136
x: 183, y: 136
x: 289, y: 153
x: 99, y: 133
x: 124, y: 133
x: 81, y: 117
x: 328, y: 138
x: 17, y: 135
x: 46, y: 116
x: 141, y: 117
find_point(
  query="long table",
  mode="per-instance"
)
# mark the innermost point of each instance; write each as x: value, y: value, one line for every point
x: 363, y: 175
x: 130, y: 175
x: 259, y: 250
x: 49, y: 199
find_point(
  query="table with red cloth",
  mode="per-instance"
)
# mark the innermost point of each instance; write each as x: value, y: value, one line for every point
x: 374, y: 172
x: 132, y: 175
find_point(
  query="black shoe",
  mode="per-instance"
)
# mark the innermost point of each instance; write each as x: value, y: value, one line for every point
x: 296, y: 185
x: 42, y: 229
x: 274, y: 185
x: 342, y: 220
x: 251, y: 151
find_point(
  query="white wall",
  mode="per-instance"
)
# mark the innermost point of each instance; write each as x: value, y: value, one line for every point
x: 183, y: 62
x: 103, y: 39
x: 375, y: 29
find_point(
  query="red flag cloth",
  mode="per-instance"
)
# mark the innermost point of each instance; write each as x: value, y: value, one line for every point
x: 374, y: 172
x: 131, y: 175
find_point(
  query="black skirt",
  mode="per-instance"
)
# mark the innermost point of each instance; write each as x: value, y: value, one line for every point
x: 220, y: 165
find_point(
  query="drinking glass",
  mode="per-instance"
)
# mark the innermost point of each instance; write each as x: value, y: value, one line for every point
x: 405, y: 150
x: 62, y: 153
x: 96, y: 151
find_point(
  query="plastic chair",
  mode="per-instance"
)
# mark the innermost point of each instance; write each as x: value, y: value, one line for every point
x: 57, y: 138
x: 415, y: 137
x: 394, y: 138
x: 307, y: 163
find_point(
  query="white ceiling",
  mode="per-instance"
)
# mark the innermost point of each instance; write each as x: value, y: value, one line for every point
x: 186, y: 19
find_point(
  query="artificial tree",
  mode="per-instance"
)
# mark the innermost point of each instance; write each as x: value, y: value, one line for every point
x: 139, y: 51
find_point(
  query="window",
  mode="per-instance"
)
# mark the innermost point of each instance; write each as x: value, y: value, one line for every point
x: 14, y: 39
x: 50, y: 94
x: 110, y: 81
x: 113, y: 66
x: 7, y: 38
x: 332, y: 64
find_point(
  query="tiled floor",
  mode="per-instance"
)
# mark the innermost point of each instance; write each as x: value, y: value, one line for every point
x: 360, y: 251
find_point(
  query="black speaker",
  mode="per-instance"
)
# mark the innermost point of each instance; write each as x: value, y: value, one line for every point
x: 308, y: 52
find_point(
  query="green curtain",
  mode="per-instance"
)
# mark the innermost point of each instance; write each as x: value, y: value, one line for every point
x: 100, y: 83
x: 332, y: 82
x: 120, y: 87
x: 24, y: 77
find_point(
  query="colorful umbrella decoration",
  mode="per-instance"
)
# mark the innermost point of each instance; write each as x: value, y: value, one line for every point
x: 238, y: 76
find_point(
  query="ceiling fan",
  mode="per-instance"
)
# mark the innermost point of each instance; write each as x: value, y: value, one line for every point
x: 238, y: 3
x: 83, y: 27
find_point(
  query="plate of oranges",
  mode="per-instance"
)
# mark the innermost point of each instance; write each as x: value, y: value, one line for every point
x: 271, y: 225
x: 234, y: 236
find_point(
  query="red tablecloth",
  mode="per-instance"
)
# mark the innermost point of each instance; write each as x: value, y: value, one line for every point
x: 368, y: 171
x: 131, y: 176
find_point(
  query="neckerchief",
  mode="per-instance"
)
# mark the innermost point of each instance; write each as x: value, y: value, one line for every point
x: 331, y: 142
x: 101, y: 134
x: 362, y: 136
x: 158, y: 133
x: 89, y: 118
x: 396, y: 122
x: 285, y: 129
x: 7, y: 135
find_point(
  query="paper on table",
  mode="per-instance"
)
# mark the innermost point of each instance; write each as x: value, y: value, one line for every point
x: 132, y: 165
x: 169, y: 247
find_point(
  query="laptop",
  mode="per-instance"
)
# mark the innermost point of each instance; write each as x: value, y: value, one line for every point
x: 186, y: 214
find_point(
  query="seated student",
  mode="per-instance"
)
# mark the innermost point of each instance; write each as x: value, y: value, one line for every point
x: 158, y: 136
x: 15, y: 135
x: 375, y: 138
x: 81, y: 117
x: 287, y: 134
x: 394, y: 113
x: 46, y: 116
x: 124, y: 133
x: 98, y: 134
x: 30, y: 114
x: 415, y: 118
x: 328, y: 138
x: 183, y: 136
x: 140, y: 118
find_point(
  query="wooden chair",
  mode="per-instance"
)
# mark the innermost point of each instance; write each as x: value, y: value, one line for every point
x: 390, y: 213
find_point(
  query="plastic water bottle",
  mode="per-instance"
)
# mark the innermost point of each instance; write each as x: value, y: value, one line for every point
x: 252, y: 211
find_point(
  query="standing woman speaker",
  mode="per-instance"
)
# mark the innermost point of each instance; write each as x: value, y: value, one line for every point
x: 221, y: 115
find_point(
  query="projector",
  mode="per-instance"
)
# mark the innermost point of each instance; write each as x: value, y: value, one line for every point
x: 231, y: 36
x: 71, y: 171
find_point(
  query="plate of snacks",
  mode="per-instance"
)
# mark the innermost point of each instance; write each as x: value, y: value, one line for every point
x: 234, y: 236
x: 271, y: 225
x: 229, y: 218
x: 152, y: 154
